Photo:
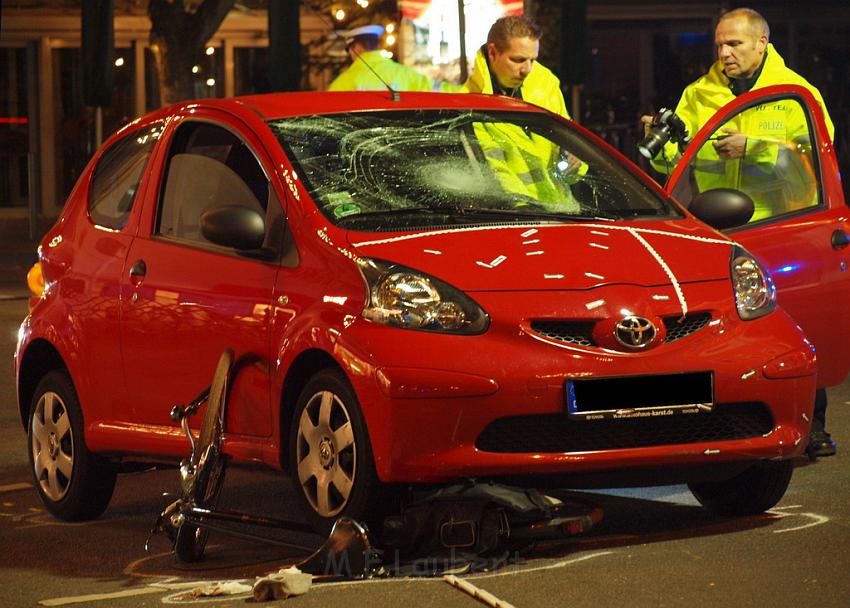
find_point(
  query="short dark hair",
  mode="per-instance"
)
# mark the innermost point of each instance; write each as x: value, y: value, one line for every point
x: 513, y: 26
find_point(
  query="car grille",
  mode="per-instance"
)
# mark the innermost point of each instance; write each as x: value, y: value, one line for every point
x: 678, y: 328
x: 580, y: 333
x: 556, y: 433
x: 572, y: 332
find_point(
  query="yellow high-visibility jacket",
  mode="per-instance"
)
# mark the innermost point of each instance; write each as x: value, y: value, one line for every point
x: 358, y: 76
x: 524, y: 163
x: 771, y: 129
x: 541, y: 86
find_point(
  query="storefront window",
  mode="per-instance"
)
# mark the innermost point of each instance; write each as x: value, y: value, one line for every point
x: 251, y: 71
x: 14, y: 128
x: 207, y: 77
x: 75, y: 121
x: 431, y: 32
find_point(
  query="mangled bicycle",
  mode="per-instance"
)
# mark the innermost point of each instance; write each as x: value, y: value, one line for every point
x: 466, y: 522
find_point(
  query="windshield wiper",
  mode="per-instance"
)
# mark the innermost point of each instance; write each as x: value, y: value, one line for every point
x: 543, y: 214
x: 516, y: 212
x: 566, y: 217
x: 368, y: 215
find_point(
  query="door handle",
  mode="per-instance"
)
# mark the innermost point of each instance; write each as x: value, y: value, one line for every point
x: 840, y: 239
x: 137, y: 272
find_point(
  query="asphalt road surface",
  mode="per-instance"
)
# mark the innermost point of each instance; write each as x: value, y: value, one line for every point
x: 654, y: 547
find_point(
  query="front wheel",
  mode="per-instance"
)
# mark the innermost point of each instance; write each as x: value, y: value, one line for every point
x: 330, y: 457
x: 754, y: 491
x: 73, y: 483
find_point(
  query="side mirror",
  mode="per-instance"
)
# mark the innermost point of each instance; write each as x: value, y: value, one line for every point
x: 723, y: 208
x: 234, y: 226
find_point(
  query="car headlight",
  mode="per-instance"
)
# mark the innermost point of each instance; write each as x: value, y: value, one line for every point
x: 403, y: 297
x: 755, y: 295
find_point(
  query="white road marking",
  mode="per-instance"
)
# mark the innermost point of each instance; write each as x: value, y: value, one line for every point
x: 14, y: 487
x: 815, y: 519
x: 97, y: 597
x: 507, y: 571
x: 560, y: 564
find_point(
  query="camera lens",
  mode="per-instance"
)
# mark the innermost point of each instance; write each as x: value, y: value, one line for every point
x: 652, y: 143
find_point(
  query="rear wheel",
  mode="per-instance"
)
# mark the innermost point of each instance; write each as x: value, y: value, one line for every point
x: 754, y: 491
x: 190, y: 540
x: 330, y: 457
x: 73, y: 483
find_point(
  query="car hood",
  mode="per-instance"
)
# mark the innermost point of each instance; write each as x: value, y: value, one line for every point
x: 557, y: 256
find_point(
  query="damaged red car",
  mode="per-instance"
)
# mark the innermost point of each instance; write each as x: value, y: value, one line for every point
x: 430, y: 288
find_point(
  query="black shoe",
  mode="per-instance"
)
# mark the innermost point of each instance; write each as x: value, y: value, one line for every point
x: 820, y: 445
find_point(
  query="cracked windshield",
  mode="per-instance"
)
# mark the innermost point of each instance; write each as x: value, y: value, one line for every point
x: 421, y: 169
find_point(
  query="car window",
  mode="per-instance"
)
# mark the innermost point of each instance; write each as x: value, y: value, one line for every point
x: 208, y: 166
x: 393, y: 170
x: 117, y: 175
x: 764, y: 151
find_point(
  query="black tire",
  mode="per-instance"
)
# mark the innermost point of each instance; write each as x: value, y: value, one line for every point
x: 73, y: 483
x: 190, y: 540
x: 754, y: 491
x: 332, y: 467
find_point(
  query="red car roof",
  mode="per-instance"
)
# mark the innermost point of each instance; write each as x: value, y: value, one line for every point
x: 279, y: 105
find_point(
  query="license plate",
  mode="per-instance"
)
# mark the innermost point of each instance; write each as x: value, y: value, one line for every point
x: 639, y: 396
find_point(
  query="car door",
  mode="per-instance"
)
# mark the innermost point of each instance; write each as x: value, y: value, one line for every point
x: 800, y: 229
x: 184, y: 298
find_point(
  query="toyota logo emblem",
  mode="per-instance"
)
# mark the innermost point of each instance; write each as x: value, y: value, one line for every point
x: 635, y: 332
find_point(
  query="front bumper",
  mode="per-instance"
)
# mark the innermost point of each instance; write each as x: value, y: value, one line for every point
x: 494, y: 405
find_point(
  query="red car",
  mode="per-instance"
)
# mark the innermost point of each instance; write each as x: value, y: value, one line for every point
x: 431, y: 288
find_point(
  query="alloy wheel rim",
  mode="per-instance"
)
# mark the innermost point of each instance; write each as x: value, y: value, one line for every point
x: 52, y: 446
x: 326, y: 454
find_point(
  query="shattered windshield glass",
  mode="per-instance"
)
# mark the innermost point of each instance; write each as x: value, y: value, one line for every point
x: 414, y: 169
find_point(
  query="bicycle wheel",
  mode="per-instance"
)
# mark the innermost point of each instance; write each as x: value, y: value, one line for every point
x: 191, y: 540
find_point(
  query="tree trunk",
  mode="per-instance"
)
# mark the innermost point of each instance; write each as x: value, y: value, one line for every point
x: 177, y: 41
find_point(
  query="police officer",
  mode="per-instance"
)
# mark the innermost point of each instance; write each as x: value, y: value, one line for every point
x: 370, y: 70
x: 507, y: 65
x: 745, y: 61
x: 523, y: 163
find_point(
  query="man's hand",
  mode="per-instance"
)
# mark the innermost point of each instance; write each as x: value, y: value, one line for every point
x: 568, y: 162
x: 732, y: 145
x: 646, y: 119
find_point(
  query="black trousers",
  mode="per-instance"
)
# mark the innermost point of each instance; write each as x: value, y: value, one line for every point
x: 819, y: 418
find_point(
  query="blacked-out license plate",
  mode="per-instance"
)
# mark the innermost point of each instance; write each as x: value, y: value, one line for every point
x: 639, y: 396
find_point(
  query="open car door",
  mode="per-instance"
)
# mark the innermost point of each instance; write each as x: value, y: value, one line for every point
x: 800, y: 229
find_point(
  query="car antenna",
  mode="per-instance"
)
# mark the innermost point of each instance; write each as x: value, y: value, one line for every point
x: 394, y: 96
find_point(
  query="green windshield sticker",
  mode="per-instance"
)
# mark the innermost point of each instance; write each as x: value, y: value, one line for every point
x: 343, y: 210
